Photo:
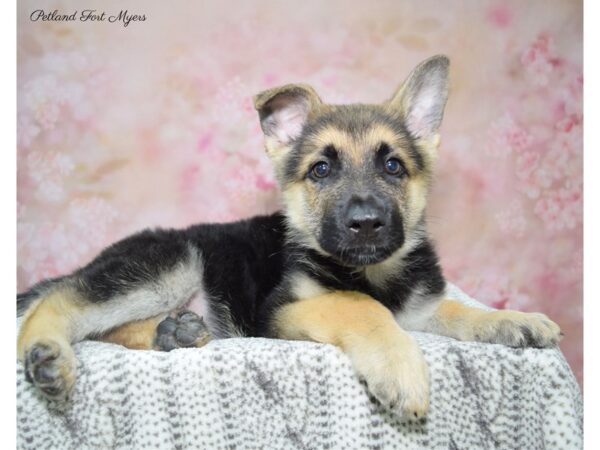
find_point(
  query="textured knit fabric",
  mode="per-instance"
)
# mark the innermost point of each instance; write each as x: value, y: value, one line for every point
x: 274, y: 394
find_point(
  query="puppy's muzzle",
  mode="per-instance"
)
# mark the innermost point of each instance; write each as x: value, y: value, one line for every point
x: 365, y: 220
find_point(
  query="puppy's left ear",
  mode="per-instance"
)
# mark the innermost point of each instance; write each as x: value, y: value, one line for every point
x: 422, y: 97
x: 283, y: 112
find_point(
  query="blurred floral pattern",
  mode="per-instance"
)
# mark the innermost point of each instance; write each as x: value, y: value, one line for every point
x: 122, y: 128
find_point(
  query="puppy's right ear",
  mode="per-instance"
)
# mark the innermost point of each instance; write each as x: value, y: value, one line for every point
x: 283, y: 112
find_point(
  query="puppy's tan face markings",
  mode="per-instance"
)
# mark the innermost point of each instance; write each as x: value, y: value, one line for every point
x: 358, y: 159
x: 355, y: 150
x: 355, y: 142
x: 355, y: 177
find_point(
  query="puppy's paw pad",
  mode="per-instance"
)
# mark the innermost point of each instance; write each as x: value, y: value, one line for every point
x: 50, y: 368
x: 518, y: 329
x: 184, y: 330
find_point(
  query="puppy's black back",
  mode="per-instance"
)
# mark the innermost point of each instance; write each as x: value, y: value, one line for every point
x: 243, y: 262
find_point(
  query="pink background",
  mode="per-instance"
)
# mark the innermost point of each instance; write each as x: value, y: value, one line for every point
x: 152, y: 125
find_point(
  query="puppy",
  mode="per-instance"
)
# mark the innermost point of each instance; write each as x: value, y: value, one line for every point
x: 347, y: 262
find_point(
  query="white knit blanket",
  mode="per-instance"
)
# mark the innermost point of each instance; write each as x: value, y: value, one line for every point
x: 272, y: 394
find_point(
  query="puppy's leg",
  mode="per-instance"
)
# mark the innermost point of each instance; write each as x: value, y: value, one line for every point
x: 139, y: 278
x: 136, y: 335
x: 43, y: 344
x: 512, y: 328
x: 382, y: 353
x: 164, y: 332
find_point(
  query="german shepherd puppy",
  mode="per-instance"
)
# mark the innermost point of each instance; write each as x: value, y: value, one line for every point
x: 347, y: 262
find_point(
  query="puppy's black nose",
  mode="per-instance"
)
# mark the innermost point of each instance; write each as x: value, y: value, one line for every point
x: 364, y: 218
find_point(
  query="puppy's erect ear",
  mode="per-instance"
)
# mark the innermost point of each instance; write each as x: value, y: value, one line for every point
x: 283, y: 112
x: 422, y: 97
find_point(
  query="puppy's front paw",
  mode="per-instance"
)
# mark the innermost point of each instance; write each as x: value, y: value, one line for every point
x: 517, y: 329
x: 397, y: 375
x: 50, y: 367
x: 184, y: 330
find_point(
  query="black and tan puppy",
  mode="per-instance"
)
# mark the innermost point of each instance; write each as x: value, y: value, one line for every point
x: 347, y: 262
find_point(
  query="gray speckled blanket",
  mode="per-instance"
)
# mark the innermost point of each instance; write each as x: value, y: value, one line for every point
x: 269, y: 394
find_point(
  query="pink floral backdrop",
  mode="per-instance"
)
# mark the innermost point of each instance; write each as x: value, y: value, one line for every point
x: 122, y: 128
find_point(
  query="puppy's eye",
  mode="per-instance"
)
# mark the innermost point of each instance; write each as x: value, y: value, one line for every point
x: 321, y: 169
x: 393, y: 166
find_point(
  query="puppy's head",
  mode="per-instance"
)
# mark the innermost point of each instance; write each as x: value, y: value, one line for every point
x: 354, y: 177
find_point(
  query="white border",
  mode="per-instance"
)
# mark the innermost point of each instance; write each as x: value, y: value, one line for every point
x: 8, y: 96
